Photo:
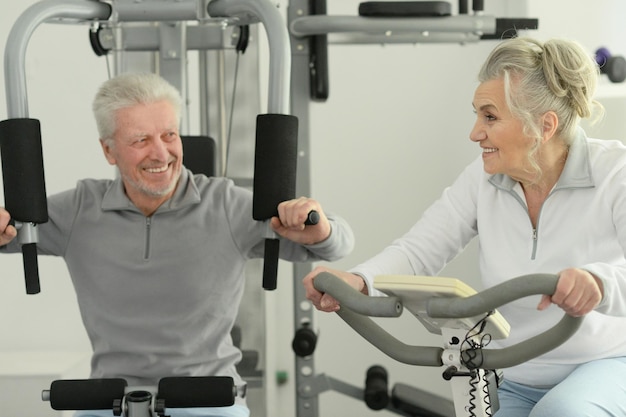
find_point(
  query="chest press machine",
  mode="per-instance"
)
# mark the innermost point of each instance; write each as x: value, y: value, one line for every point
x: 304, y: 41
x: 275, y: 149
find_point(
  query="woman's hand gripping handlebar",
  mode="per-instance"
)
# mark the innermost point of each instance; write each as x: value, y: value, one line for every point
x: 357, y: 306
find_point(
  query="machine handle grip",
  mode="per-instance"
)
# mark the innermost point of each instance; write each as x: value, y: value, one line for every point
x: 270, y: 264
x: 271, y: 252
x: 356, y: 301
x: 31, y: 268
x: 312, y: 219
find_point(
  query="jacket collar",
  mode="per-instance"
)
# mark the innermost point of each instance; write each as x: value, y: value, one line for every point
x: 186, y: 193
x: 576, y: 172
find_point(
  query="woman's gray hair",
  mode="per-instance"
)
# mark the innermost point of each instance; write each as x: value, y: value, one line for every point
x: 127, y: 90
x: 556, y: 75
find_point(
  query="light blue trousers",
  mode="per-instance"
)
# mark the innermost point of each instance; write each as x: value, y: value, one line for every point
x: 594, y: 389
x: 232, y: 411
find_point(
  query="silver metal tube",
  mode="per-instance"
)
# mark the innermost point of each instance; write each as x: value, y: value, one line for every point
x: 323, y: 24
x: 222, y: 112
x: 20, y: 34
x: 278, y: 40
x: 402, y: 38
x: 161, y: 11
x: 390, y: 345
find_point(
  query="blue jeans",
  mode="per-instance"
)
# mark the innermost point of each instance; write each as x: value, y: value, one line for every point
x: 594, y: 389
x: 232, y: 411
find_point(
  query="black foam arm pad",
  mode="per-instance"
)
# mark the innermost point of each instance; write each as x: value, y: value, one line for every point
x: 31, y: 268
x: 187, y: 391
x: 275, y: 163
x: 86, y: 394
x: 270, y: 263
x: 22, y: 170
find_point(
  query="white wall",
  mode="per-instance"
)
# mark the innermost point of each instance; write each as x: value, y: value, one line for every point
x: 392, y: 135
x: 62, y: 76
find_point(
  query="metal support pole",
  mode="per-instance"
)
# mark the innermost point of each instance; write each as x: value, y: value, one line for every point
x: 252, y: 11
x: 21, y: 32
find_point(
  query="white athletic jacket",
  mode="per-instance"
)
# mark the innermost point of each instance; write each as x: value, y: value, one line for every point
x: 581, y: 224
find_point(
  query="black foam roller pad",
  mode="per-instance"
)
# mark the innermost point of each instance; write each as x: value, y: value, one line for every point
x: 275, y: 163
x: 86, y: 394
x: 22, y: 170
x: 376, y: 394
x: 188, y: 391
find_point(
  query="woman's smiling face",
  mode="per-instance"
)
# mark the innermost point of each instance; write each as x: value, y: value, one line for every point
x: 501, y: 136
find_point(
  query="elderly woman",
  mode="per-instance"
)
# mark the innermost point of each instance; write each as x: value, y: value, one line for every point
x: 541, y: 198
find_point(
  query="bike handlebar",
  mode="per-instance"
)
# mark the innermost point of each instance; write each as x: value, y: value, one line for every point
x: 356, y: 306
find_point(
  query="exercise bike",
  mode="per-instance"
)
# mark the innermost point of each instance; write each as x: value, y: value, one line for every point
x: 465, y: 319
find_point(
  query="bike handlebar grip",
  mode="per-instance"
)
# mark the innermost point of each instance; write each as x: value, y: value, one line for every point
x: 491, y: 298
x: 390, y: 345
x: 270, y: 264
x: 356, y: 301
x: 523, y: 351
x: 86, y: 394
x: 209, y: 391
x: 31, y: 268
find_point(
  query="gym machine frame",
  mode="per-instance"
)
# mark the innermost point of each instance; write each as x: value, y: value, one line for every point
x: 178, y: 38
x: 312, y: 30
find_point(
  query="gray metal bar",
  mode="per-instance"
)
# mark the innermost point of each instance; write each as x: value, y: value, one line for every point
x: 390, y: 345
x: 523, y: 351
x: 322, y: 24
x: 401, y: 38
x: 307, y: 401
x: 278, y: 40
x: 146, y: 38
x: 323, y: 383
x: 157, y: 10
x: 20, y: 34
